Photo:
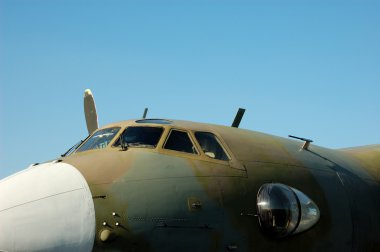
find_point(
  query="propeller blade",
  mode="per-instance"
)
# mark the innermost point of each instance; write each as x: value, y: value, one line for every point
x: 90, y: 111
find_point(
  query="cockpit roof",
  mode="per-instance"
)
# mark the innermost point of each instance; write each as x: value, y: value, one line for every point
x: 155, y: 121
x: 167, y: 122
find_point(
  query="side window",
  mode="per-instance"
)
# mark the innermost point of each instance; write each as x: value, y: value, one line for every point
x: 211, y: 146
x: 180, y: 141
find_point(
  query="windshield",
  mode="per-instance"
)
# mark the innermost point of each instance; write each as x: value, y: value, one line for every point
x: 141, y: 136
x: 73, y: 148
x: 100, y: 139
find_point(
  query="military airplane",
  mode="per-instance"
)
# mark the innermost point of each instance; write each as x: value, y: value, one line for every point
x: 170, y: 185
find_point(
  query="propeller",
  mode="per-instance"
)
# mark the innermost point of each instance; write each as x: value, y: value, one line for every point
x: 90, y: 111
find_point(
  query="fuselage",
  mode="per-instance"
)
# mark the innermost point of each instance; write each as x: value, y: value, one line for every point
x: 193, y: 197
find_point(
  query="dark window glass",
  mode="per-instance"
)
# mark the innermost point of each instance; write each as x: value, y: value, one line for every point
x: 211, y: 146
x: 141, y: 136
x: 99, y: 139
x: 180, y: 141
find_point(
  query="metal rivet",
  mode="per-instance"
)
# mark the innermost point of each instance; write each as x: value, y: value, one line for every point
x: 104, y: 223
x: 113, y: 214
x: 117, y: 224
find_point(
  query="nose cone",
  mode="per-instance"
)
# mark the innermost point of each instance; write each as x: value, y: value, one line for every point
x: 47, y: 207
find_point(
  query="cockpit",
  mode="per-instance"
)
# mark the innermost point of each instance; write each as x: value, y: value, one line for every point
x: 156, y: 134
x: 139, y: 136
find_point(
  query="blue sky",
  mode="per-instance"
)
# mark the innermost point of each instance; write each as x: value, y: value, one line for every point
x: 308, y: 68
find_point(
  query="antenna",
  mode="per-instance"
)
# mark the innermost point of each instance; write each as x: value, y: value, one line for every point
x: 306, y: 145
x: 145, y: 112
x: 238, y: 117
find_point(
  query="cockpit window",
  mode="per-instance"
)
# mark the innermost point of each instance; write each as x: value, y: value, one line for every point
x: 211, y: 146
x: 180, y: 141
x: 73, y: 148
x: 100, y: 139
x: 140, y: 137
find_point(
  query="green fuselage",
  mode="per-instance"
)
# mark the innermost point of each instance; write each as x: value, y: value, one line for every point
x: 155, y: 199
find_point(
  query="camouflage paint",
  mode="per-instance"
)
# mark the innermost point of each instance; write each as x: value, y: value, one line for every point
x: 151, y: 193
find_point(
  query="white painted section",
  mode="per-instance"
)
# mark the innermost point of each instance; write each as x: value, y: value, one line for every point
x: 47, y: 207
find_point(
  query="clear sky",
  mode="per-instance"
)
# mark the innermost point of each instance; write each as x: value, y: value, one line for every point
x: 308, y: 68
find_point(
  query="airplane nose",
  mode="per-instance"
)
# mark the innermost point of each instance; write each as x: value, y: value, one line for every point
x: 47, y: 207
